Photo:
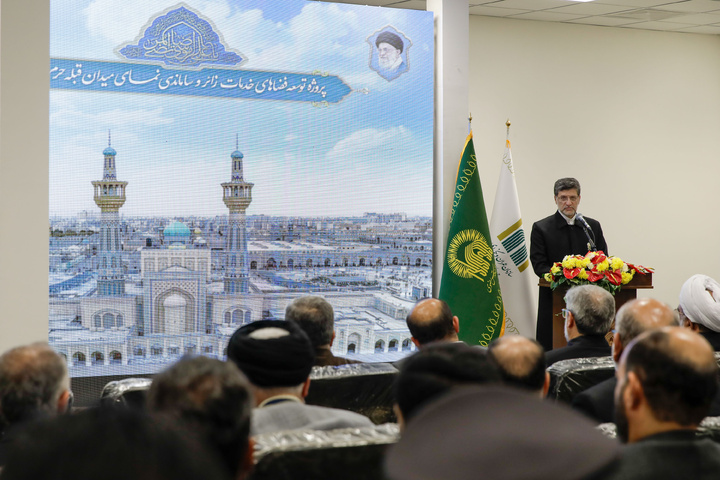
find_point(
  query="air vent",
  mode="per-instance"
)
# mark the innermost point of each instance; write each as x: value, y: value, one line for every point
x: 647, y: 14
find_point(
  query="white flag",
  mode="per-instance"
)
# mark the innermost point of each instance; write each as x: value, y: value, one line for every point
x: 511, y: 254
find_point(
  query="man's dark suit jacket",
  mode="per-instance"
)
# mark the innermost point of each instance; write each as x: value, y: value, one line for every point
x: 579, y: 347
x: 551, y: 239
x: 598, y: 402
x: 324, y: 357
x: 674, y: 455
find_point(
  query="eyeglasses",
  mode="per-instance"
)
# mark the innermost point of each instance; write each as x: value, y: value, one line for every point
x: 565, y: 312
x: 572, y: 199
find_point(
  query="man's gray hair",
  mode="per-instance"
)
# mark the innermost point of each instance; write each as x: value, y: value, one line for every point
x: 567, y: 183
x: 315, y: 316
x: 32, y: 378
x: 592, y: 307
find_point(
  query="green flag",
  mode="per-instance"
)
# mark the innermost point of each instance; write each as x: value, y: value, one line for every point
x: 469, y: 279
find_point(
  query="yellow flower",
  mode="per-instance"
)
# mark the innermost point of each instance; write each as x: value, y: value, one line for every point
x: 602, y: 266
x: 555, y: 269
x: 585, y: 262
x: 548, y: 277
x: 626, y: 277
x: 617, y: 263
x: 583, y: 275
x: 569, y: 262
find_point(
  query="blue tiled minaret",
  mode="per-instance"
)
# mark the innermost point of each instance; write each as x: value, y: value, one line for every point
x: 237, y: 195
x: 110, y: 196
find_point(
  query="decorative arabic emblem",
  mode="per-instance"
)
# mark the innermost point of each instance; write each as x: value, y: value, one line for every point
x: 180, y: 37
x: 469, y: 255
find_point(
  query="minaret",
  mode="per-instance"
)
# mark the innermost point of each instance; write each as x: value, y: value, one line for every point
x: 237, y: 195
x: 110, y: 196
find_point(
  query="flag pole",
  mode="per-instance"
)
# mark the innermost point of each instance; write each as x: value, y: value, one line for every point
x: 470, y: 123
x: 507, y: 124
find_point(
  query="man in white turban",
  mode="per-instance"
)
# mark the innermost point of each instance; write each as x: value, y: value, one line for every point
x: 699, y: 307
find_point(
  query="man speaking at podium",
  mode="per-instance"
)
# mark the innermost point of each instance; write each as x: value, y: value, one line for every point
x: 564, y: 233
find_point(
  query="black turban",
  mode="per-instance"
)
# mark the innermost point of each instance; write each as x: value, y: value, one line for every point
x: 391, y: 39
x: 284, y: 361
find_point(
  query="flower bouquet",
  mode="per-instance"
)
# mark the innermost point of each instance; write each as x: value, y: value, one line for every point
x: 594, y: 268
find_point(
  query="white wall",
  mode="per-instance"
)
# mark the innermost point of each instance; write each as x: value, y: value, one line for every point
x: 24, y: 82
x: 633, y: 114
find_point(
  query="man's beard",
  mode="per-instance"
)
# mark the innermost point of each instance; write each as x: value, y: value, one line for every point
x: 621, y: 421
x: 385, y: 63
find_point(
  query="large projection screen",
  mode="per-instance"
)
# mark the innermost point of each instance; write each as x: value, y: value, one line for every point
x: 210, y: 161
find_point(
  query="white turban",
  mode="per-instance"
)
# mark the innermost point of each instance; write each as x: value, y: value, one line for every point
x: 698, y: 304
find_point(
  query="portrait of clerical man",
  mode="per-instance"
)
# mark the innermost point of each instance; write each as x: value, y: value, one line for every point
x: 389, y: 53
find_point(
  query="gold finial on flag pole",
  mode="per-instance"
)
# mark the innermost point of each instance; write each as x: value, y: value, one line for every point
x: 507, y: 124
x: 469, y: 122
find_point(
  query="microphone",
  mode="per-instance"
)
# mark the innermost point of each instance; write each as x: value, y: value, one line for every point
x: 578, y: 216
x: 588, y: 231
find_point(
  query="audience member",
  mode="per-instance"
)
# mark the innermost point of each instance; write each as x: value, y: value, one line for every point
x: 431, y: 320
x: 521, y: 362
x: 498, y: 433
x: 112, y: 444
x: 633, y: 318
x: 34, y: 384
x: 699, y: 308
x: 316, y: 317
x: 212, y: 398
x: 277, y: 358
x: 666, y: 381
x: 436, y: 369
x: 588, y: 318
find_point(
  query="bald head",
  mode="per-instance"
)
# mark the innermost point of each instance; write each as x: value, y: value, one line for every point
x: 33, y: 382
x: 430, y: 321
x: 677, y: 370
x: 638, y: 316
x: 521, y: 361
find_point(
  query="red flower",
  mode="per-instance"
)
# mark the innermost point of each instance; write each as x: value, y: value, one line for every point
x: 595, y: 276
x: 570, y: 274
x: 600, y: 257
x: 614, y: 277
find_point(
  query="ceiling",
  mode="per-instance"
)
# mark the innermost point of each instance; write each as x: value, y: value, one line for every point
x: 690, y: 16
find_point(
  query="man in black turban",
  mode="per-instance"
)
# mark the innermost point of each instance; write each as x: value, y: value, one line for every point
x: 277, y: 358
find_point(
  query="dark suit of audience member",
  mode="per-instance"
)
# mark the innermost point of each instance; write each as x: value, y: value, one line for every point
x: 554, y: 237
x: 699, y: 308
x: 277, y: 357
x: 468, y: 433
x: 666, y: 381
x: 632, y: 319
x: 34, y: 385
x: 588, y: 318
x: 213, y: 399
x: 436, y: 369
x: 521, y: 362
x: 317, y: 318
x: 111, y: 444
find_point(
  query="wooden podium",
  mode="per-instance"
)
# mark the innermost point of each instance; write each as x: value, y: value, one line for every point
x: 627, y: 292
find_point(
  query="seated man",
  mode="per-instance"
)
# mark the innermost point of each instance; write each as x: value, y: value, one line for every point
x: 588, y: 318
x: 431, y: 320
x: 699, y: 308
x: 34, y: 384
x: 633, y: 318
x: 316, y: 317
x: 211, y: 398
x: 436, y: 369
x: 521, y: 362
x: 666, y: 381
x: 277, y: 357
